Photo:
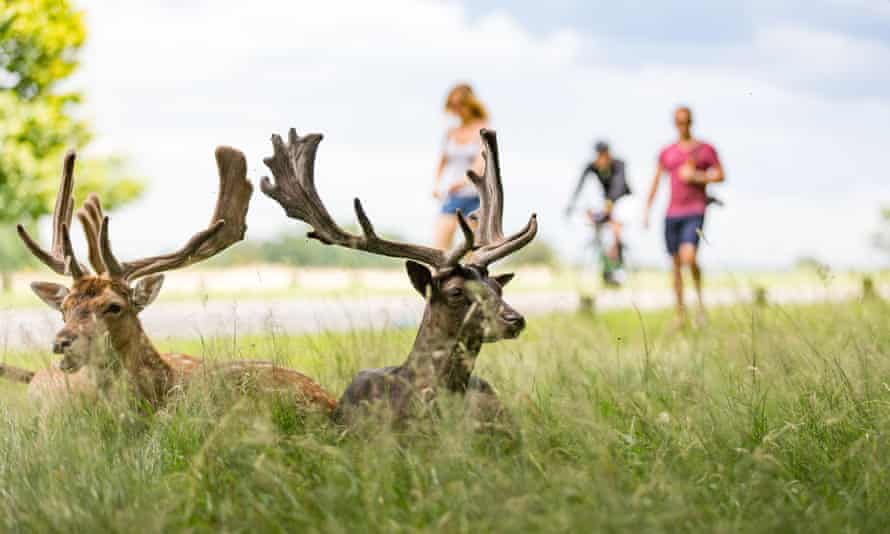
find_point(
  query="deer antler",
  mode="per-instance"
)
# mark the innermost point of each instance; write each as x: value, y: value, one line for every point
x: 492, y: 245
x: 293, y: 169
x: 91, y: 216
x: 60, y: 257
x: 227, y: 226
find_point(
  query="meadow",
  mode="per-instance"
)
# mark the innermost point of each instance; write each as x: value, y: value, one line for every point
x: 771, y: 419
x: 263, y: 282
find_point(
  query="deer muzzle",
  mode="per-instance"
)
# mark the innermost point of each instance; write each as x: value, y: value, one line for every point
x: 63, y: 341
x: 513, y: 321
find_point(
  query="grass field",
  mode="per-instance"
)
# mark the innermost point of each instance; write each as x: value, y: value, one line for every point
x: 771, y: 420
x: 278, y: 282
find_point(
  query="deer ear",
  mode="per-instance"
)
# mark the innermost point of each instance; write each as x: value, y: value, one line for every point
x: 146, y: 290
x: 52, y: 294
x: 503, y: 279
x: 421, y: 277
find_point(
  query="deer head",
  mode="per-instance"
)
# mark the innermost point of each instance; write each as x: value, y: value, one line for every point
x: 463, y: 300
x: 100, y: 308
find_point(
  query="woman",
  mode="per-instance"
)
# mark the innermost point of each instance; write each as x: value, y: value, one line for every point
x: 462, y: 151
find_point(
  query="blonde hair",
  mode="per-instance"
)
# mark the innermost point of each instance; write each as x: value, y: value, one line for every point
x: 470, y: 106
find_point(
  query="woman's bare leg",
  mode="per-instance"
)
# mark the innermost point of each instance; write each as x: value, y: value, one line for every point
x: 445, y: 227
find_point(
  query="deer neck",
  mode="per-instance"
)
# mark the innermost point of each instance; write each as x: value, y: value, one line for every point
x: 148, y: 372
x: 444, y: 354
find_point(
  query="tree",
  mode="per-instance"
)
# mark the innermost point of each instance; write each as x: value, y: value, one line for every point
x: 39, y: 44
x: 881, y: 238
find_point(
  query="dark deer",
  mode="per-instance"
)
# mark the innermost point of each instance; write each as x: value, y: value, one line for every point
x: 464, y: 304
x: 102, y: 331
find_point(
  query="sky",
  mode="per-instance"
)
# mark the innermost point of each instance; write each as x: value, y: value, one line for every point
x: 796, y: 99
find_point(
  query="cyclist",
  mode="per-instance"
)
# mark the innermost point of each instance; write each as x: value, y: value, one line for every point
x: 610, y: 173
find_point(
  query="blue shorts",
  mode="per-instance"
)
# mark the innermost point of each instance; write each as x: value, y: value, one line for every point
x: 466, y: 205
x: 682, y: 229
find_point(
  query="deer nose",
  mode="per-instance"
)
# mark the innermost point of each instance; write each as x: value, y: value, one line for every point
x: 62, y: 343
x: 515, y: 320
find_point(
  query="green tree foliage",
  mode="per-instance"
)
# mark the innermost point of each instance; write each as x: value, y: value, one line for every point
x: 539, y: 252
x: 881, y: 238
x: 39, y: 43
x: 292, y: 247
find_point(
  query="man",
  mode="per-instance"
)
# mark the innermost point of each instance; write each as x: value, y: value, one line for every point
x: 692, y: 165
x: 609, y: 172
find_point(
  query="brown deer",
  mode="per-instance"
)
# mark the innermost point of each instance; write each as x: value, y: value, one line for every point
x: 16, y: 374
x: 50, y: 383
x: 102, y: 331
x: 464, y: 304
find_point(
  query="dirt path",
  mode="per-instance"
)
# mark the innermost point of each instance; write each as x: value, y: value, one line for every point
x: 35, y: 328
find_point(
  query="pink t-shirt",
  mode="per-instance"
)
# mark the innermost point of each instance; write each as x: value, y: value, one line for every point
x: 686, y: 198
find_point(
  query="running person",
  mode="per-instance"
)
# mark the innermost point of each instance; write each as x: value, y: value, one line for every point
x: 610, y: 173
x: 692, y: 165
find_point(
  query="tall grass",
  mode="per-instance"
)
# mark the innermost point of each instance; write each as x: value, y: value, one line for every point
x: 769, y: 420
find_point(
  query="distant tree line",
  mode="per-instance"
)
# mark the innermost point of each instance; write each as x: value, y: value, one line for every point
x: 881, y: 238
x: 292, y: 247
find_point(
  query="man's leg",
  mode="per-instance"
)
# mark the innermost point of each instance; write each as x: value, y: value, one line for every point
x: 672, y: 235
x: 688, y: 256
x: 678, y: 289
x: 616, y: 240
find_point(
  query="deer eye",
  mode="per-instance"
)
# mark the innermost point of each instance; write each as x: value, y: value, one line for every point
x: 113, y: 309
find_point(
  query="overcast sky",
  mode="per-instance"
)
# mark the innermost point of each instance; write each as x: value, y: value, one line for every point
x: 795, y: 98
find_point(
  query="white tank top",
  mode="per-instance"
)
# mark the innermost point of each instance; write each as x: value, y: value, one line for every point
x: 459, y: 157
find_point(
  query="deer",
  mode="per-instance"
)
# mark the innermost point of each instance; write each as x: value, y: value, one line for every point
x: 102, y: 332
x: 464, y: 302
x: 48, y: 384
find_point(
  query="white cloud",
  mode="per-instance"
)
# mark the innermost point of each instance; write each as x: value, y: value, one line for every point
x: 821, y: 54
x: 166, y: 83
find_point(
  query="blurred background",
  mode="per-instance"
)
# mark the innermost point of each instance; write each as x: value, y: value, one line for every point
x: 795, y: 97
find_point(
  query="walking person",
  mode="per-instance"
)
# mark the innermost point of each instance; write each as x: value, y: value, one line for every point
x: 461, y: 151
x: 692, y: 164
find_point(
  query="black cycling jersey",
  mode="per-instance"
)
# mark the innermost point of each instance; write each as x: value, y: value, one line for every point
x: 612, y: 180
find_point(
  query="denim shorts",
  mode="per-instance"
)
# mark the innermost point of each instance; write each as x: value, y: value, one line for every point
x: 682, y: 229
x: 466, y: 205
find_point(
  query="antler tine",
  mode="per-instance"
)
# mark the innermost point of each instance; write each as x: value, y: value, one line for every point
x: 293, y: 170
x: 74, y: 269
x: 491, y: 191
x: 64, y: 207
x: 90, y: 216
x: 467, y: 246
x: 489, y: 254
x: 492, y: 243
x: 227, y: 226
x: 56, y: 257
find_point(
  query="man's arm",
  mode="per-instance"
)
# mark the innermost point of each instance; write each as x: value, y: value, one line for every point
x: 578, y: 188
x: 713, y: 174
x: 653, y: 189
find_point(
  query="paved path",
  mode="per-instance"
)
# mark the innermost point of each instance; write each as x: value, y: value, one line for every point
x: 34, y: 328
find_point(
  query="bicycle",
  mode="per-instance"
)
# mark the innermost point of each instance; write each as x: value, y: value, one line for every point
x: 608, y: 248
